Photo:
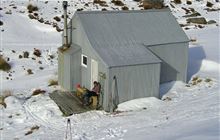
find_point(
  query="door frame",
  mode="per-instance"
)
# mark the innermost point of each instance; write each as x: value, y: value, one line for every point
x: 94, y: 71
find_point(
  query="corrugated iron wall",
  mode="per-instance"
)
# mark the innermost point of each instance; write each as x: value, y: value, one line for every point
x: 175, y: 61
x: 60, y: 68
x: 134, y: 82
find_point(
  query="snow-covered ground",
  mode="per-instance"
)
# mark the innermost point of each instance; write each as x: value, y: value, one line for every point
x: 186, y: 112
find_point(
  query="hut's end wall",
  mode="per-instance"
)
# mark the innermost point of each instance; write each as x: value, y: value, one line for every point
x: 174, y: 61
x: 133, y: 82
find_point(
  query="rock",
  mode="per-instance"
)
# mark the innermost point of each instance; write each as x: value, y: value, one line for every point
x: 177, y: 1
x: 124, y: 8
x: 200, y: 20
x: 200, y: 26
x: 1, y: 23
x: 193, y: 15
x: 104, y: 9
x: 47, y: 22
x: 118, y: 2
x: 36, y: 14
x: 149, y: 4
x: 31, y: 16
x: 32, y: 8
x: 186, y: 10
x: 37, y: 52
x: 8, y: 12
x: 100, y: 2
x: 57, y: 18
x: 41, y: 20
x: 41, y: 68
x: 80, y: 9
x: 211, y: 22
x: 192, y: 10
x: 209, y: 4
x: 29, y: 71
x: 188, y: 2
x: 20, y: 56
x: 21, y: 12
x: 58, y: 28
x: 26, y: 54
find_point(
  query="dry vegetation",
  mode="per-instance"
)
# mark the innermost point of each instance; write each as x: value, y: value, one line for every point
x: 29, y: 72
x: 4, y: 65
x: 57, y: 18
x: 33, y: 128
x: 38, y: 91
x: 152, y: 4
x: 118, y: 3
x: 124, y: 8
x: 52, y: 82
x: 197, y: 80
x: 37, y: 52
x: 100, y: 2
x: 177, y: 1
x: 32, y: 8
x: 5, y: 94
x: 207, y: 80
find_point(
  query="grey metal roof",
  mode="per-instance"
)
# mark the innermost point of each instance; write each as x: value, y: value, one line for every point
x: 117, y: 35
x: 129, y: 54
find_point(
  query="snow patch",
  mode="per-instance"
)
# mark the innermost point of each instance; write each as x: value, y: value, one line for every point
x: 138, y: 104
x: 210, y: 66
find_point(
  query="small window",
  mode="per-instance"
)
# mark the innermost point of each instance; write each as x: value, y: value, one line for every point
x: 84, y: 60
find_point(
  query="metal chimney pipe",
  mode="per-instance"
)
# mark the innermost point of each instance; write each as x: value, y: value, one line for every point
x: 65, y: 36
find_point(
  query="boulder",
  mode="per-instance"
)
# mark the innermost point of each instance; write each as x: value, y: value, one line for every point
x: 211, y: 22
x: 200, y: 20
x: 193, y: 15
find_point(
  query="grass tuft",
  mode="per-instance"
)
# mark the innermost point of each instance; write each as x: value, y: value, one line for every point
x: 32, y: 8
x: 52, y: 82
x: 4, y: 65
x: 38, y: 91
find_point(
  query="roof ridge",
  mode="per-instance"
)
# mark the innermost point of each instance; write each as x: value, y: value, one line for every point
x: 123, y: 11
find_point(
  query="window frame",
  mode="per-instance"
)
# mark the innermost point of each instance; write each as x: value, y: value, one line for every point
x: 82, y: 62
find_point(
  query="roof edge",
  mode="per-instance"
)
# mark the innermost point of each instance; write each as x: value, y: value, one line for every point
x: 135, y: 64
x: 123, y: 11
x: 149, y: 45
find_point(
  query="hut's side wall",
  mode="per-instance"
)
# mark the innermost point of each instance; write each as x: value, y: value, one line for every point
x: 60, y: 68
x: 66, y: 72
x: 79, y: 37
x: 134, y: 82
x: 175, y: 61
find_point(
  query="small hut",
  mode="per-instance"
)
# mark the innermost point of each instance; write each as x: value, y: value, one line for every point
x: 129, y: 52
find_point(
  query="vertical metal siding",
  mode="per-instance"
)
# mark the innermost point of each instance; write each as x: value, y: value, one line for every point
x: 60, y: 68
x: 135, y: 82
x: 66, y: 72
x: 175, y: 61
x: 75, y: 69
x: 80, y: 38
